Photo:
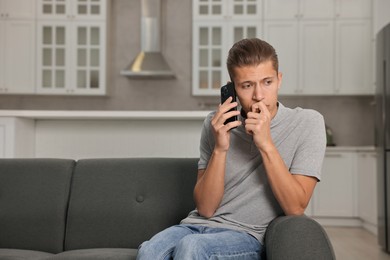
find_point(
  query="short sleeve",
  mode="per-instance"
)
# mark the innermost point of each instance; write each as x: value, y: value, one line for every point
x: 310, y: 152
x: 206, y: 142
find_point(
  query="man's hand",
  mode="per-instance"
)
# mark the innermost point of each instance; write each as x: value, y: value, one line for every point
x: 258, y: 124
x: 220, y: 130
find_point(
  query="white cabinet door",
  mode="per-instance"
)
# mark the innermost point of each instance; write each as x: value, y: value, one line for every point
x: 17, y: 46
x: 281, y: 9
x: 354, y: 57
x: 305, y: 51
x: 292, y: 9
x: 283, y: 36
x: 17, y: 137
x: 2, y: 56
x: 353, y: 8
x: 316, y: 56
x: 367, y: 187
x: 335, y: 195
x: 18, y: 9
x: 19, y: 62
x: 316, y: 9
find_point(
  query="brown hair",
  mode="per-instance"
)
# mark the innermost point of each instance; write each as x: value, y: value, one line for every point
x: 250, y: 52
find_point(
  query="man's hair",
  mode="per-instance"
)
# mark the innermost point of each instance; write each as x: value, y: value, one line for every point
x: 250, y: 52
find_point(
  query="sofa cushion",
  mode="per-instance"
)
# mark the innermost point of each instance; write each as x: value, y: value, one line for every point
x: 33, y: 200
x: 20, y: 254
x: 119, y: 203
x: 97, y: 254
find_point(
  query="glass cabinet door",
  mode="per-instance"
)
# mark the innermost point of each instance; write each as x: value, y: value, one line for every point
x: 89, y: 58
x: 89, y: 9
x: 209, y: 58
x: 209, y: 8
x: 217, y: 24
x: 53, y: 9
x: 72, y: 9
x: 52, y: 57
x: 246, y: 9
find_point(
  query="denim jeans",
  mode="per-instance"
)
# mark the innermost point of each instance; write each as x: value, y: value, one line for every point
x: 186, y: 242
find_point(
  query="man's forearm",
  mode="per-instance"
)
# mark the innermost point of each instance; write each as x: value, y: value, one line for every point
x: 289, y: 192
x: 209, y: 189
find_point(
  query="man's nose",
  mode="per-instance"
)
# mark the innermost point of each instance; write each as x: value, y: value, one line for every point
x: 258, y: 93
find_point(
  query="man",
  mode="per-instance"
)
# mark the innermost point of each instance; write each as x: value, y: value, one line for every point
x: 264, y: 165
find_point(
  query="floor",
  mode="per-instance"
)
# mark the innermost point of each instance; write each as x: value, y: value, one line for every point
x: 355, y: 244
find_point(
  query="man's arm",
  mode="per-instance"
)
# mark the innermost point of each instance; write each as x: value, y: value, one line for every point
x: 209, y: 188
x: 292, y: 191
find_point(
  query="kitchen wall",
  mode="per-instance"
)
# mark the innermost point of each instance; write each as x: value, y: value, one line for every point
x: 351, y: 118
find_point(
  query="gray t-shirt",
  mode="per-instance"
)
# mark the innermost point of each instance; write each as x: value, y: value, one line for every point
x: 248, y: 203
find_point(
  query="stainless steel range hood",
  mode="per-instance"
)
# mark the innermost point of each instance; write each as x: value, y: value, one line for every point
x: 149, y: 63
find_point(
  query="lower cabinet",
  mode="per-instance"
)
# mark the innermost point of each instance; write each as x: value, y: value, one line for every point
x: 335, y: 196
x: 346, y: 194
x: 17, y: 137
x: 367, y: 187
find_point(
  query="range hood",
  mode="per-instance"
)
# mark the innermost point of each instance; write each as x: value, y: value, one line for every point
x: 149, y: 63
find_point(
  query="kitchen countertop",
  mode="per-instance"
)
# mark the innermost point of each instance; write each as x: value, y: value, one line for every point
x: 351, y: 148
x: 115, y: 115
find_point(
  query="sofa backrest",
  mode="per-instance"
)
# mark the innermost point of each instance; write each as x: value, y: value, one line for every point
x: 119, y: 203
x: 33, y: 201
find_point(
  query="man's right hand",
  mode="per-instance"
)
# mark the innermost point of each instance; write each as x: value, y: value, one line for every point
x: 220, y: 130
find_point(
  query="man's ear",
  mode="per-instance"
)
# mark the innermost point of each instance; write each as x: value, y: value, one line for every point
x: 280, y: 77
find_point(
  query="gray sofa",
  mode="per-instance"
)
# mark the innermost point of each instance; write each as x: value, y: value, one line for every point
x: 105, y: 208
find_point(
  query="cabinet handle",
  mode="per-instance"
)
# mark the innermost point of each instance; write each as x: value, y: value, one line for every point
x: 334, y: 155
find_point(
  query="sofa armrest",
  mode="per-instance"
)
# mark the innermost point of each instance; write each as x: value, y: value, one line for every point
x: 297, y: 237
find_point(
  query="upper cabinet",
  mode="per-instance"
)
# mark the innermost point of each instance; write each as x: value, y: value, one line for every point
x: 293, y: 9
x: 53, y: 47
x: 324, y: 47
x: 74, y: 9
x: 71, y: 47
x: 216, y: 26
x: 17, y: 46
x: 17, y: 9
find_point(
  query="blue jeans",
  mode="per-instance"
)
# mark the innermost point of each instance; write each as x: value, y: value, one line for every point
x: 185, y: 242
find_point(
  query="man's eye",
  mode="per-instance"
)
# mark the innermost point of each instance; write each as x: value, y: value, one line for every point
x: 246, y: 86
x: 268, y: 82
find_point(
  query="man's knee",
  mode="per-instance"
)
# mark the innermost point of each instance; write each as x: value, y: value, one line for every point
x: 192, y: 247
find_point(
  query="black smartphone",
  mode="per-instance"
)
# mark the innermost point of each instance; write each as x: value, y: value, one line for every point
x: 226, y: 92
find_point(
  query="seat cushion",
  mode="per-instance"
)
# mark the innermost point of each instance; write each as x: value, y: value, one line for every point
x: 33, y: 201
x: 97, y: 254
x: 119, y: 203
x: 19, y: 254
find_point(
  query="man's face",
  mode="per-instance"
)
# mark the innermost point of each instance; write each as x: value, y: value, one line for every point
x: 258, y: 83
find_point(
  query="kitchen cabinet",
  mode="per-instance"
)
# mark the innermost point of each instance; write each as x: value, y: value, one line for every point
x: 335, y: 195
x: 367, y: 187
x: 71, y: 46
x: 72, y: 9
x: 293, y: 9
x: 216, y: 26
x: 354, y: 59
x: 306, y: 59
x: 17, y: 46
x: 347, y: 193
x: 17, y: 138
x: 361, y: 9
x: 332, y: 44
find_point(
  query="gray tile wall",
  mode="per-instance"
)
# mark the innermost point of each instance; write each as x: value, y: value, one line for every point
x: 351, y: 118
